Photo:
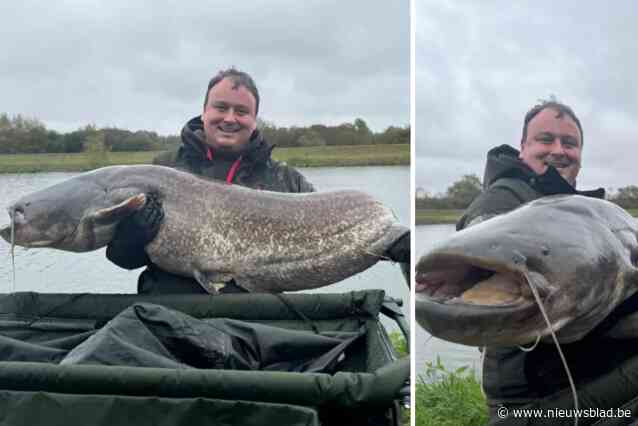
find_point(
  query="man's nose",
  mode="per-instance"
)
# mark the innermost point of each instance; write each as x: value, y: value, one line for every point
x: 557, y: 147
x: 230, y: 115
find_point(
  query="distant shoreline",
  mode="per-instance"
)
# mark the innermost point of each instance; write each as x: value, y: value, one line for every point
x: 315, y: 156
x: 437, y: 217
x: 450, y: 217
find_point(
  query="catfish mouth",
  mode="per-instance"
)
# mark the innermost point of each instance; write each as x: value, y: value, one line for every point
x: 5, y: 233
x: 478, y: 301
x: 462, y: 281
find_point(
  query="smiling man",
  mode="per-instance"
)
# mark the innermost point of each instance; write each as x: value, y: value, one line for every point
x: 552, y: 136
x: 222, y: 143
x: 547, y: 164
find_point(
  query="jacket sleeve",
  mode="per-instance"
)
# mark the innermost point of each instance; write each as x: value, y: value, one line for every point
x: 127, y: 253
x: 293, y: 180
x: 133, y: 233
x: 302, y: 183
x: 492, y: 202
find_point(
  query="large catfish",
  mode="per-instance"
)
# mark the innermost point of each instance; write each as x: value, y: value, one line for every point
x: 578, y: 254
x: 212, y: 231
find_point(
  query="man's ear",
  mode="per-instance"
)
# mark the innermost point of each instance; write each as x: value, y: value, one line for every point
x: 522, y: 149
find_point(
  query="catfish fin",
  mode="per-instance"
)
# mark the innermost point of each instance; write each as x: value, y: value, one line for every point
x: 120, y: 211
x: 211, y: 282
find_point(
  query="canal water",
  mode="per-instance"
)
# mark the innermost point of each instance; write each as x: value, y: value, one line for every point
x: 53, y: 271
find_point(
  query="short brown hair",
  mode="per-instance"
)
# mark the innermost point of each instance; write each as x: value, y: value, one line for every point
x: 559, y: 107
x: 240, y: 78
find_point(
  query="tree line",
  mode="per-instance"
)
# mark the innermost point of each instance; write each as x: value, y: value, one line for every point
x: 461, y: 193
x: 22, y: 135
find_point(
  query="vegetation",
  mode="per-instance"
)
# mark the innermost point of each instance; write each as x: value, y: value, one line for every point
x: 401, y: 346
x: 20, y: 135
x: 399, y: 343
x: 437, y: 217
x: 449, y: 398
x: 458, y: 196
x: 298, y: 157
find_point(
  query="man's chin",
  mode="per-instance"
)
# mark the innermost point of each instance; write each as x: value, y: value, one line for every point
x: 568, y: 175
x: 228, y: 145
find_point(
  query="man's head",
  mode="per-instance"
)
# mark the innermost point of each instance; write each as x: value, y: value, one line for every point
x: 230, y: 111
x: 552, y: 135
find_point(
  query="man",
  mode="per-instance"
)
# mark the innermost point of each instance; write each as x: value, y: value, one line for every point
x: 548, y: 163
x: 221, y: 144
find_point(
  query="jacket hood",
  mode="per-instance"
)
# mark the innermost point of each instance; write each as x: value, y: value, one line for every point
x: 258, y: 150
x: 503, y: 162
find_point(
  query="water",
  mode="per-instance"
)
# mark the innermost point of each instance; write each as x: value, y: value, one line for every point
x: 52, y: 271
x: 427, y: 347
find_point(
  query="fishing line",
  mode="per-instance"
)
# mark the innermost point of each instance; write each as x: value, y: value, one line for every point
x: 13, y: 257
x: 483, y: 351
x: 560, y: 351
x: 531, y: 348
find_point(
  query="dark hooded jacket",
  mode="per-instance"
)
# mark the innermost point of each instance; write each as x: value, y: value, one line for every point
x: 256, y: 169
x: 511, y: 376
x: 508, y: 183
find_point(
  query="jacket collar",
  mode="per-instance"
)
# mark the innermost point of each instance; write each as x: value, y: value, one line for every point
x: 503, y: 162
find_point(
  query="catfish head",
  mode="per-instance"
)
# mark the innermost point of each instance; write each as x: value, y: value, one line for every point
x: 577, y: 254
x: 77, y: 215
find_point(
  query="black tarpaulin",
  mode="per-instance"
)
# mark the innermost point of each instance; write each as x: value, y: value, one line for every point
x: 149, y: 335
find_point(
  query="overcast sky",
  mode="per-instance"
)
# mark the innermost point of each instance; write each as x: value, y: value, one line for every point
x: 147, y: 65
x: 482, y: 65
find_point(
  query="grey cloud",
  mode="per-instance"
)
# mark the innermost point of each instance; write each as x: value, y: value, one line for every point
x: 146, y: 64
x: 482, y: 65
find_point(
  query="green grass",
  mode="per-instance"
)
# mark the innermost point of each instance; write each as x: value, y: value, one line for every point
x: 401, y: 346
x: 326, y: 156
x: 449, y: 398
x: 399, y: 343
x: 435, y: 217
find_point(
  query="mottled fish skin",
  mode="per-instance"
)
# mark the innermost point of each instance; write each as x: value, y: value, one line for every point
x: 580, y: 253
x: 266, y: 241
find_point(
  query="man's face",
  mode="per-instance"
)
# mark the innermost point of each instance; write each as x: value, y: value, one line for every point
x: 229, y: 116
x: 553, y: 141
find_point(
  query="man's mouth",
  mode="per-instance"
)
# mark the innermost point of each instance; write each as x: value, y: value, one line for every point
x: 558, y: 164
x: 230, y: 129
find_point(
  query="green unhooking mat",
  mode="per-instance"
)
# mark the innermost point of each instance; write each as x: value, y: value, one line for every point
x: 239, y: 359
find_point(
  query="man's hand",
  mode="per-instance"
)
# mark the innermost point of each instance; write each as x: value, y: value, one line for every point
x: 142, y: 225
x: 126, y: 249
x: 400, y: 252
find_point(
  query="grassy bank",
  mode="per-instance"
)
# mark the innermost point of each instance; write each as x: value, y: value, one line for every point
x: 437, y: 217
x: 449, y: 398
x: 326, y: 156
x: 401, y: 346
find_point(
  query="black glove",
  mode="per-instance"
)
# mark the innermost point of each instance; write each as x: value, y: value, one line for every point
x: 400, y: 252
x: 132, y: 234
